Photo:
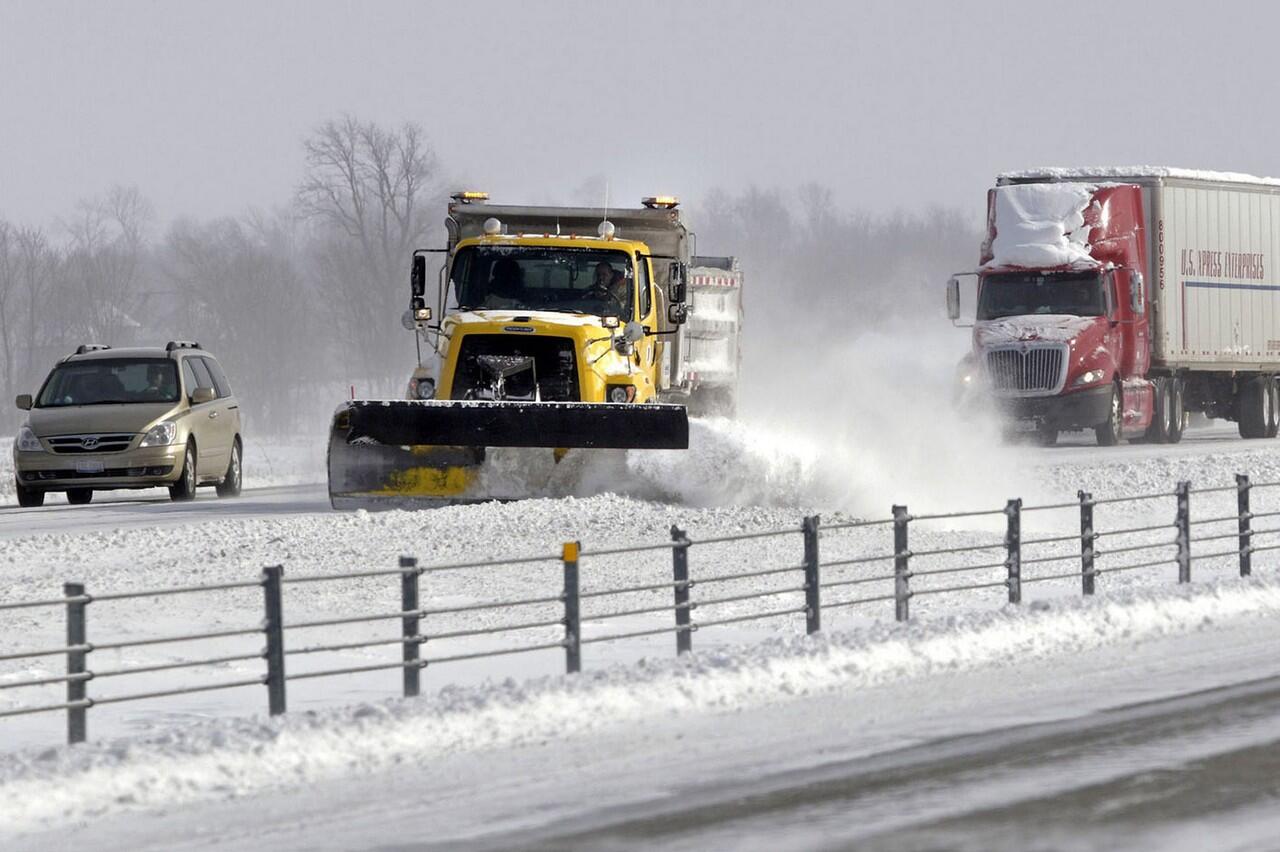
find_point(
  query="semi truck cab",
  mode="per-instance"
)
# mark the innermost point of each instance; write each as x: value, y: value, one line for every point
x: 1061, y: 338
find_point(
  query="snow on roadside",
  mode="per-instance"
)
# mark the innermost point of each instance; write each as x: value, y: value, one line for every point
x: 237, y: 758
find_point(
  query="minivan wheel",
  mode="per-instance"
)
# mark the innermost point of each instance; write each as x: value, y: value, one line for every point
x: 185, y: 487
x: 230, y: 484
x: 29, y: 498
x: 79, y: 496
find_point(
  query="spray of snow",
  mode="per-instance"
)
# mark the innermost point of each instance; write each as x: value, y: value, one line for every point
x: 238, y: 758
x: 1042, y: 225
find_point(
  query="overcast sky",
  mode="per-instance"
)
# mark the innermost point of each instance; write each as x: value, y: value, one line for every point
x: 203, y: 106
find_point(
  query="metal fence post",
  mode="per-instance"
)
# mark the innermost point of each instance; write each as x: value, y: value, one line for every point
x: 901, y: 564
x: 680, y: 574
x: 1246, y: 517
x: 572, y: 620
x: 1087, y: 538
x: 274, y: 628
x: 1183, y: 523
x: 409, y: 624
x: 1014, y: 549
x: 812, y: 596
x: 77, y: 721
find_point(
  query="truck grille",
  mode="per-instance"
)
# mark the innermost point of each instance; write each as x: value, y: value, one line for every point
x: 115, y: 442
x: 1027, y: 372
x: 550, y: 361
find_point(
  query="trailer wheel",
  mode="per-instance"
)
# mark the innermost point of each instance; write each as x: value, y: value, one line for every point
x: 1161, y: 428
x: 1177, y: 410
x: 1273, y: 407
x: 1110, y: 432
x: 1253, y: 408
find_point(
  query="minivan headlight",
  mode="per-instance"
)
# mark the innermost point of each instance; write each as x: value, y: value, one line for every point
x: 160, y: 435
x: 28, y: 442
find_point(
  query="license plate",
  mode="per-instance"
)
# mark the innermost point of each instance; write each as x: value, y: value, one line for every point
x: 88, y: 466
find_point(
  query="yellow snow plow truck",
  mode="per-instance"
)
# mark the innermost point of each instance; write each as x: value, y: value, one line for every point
x: 558, y: 328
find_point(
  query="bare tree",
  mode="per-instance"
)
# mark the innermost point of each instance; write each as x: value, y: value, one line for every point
x: 107, y: 244
x: 8, y: 297
x: 365, y: 189
x: 241, y: 291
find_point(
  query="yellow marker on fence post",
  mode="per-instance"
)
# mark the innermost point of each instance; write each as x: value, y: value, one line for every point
x: 572, y: 620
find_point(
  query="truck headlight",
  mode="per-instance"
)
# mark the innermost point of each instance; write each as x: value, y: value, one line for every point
x: 423, y: 388
x: 1092, y: 377
x: 28, y: 442
x: 622, y: 393
x: 160, y: 435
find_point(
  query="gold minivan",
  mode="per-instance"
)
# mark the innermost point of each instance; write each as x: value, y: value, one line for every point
x: 130, y: 418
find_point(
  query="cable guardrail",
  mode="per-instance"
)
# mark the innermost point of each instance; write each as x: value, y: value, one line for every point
x: 423, y: 626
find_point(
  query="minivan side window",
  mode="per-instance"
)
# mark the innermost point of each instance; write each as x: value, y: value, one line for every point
x: 203, y: 379
x: 189, y: 382
x: 220, y: 383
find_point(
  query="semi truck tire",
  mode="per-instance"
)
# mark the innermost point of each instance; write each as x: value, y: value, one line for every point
x: 1177, y: 410
x: 1253, y: 408
x: 1161, y: 427
x: 1273, y: 408
x: 1109, y: 431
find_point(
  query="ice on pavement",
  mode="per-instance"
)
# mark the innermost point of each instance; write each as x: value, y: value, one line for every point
x: 241, y: 757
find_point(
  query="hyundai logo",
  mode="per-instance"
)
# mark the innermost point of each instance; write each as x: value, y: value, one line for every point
x: 90, y: 442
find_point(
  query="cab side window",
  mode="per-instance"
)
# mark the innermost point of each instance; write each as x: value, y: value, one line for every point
x: 646, y: 292
x: 220, y: 383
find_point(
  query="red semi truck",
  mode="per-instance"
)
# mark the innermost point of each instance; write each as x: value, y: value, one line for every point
x: 1116, y: 299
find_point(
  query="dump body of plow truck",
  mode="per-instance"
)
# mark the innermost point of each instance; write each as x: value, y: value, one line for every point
x: 1117, y: 299
x: 547, y: 330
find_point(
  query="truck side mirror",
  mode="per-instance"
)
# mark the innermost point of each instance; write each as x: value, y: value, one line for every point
x: 677, y: 314
x: 418, y: 276
x: 679, y: 280
x: 953, y: 299
x: 1136, y: 301
x: 23, y: 401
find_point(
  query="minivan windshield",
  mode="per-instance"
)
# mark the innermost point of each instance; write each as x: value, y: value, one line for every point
x: 574, y: 280
x: 107, y: 381
x: 1008, y: 294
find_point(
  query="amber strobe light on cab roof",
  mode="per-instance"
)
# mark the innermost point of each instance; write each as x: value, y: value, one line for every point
x: 655, y: 202
x: 468, y: 196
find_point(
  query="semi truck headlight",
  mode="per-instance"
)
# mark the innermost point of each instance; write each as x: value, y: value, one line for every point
x: 160, y: 435
x: 28, y: 442
x: 423, y: 388
x: 1092, y: 377
x: 622, y: 393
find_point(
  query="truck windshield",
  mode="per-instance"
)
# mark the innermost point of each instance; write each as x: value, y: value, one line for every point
x: 583, y: 281
x: 1010, y: 294
x: 105, y: 381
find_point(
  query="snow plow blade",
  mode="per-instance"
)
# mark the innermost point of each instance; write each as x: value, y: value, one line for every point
x: 410, y: 451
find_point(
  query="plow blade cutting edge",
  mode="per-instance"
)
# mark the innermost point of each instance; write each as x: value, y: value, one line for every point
x: 410, y: 450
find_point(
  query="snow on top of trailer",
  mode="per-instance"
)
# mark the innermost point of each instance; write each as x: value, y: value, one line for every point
x: 1042, y: 225
x: 1118, y: 172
